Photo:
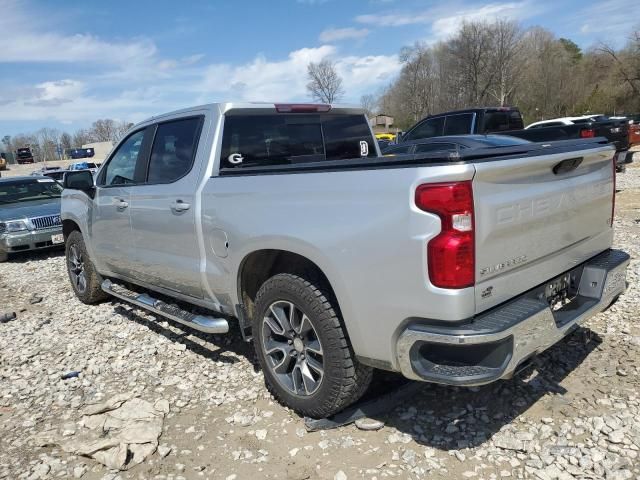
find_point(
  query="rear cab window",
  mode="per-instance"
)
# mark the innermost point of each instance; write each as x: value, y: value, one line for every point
x: 288, y: 139
x: 502, y: 121
x: 459, y: 124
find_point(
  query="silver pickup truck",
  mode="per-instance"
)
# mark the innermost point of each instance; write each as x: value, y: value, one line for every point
x: 285, y: 221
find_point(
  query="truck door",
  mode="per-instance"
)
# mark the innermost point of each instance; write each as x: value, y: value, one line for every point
x: 110, y: 219
x: 163, y: 210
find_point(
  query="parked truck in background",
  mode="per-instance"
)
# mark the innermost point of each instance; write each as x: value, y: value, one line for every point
x: 24, y: 155
x: 285, y: 221
x: 508, y: 121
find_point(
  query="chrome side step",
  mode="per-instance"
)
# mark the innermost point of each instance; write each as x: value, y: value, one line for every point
x: 199, y: 322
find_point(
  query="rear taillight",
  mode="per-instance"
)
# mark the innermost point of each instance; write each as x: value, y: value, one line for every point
x: 302, y: 107
x: 451, y: 254
x: 613, y: 198
x: 587, y: 133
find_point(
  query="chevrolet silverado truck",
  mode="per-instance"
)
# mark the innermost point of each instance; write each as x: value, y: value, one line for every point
x: 508, y: 121
x: 285, y: 222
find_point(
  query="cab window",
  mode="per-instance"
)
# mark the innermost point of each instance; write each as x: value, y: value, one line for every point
x: 121, y: 168
x: 173, y: 151
x: 433, y: 127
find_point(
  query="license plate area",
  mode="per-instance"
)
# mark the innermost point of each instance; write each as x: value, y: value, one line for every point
x: 57, y: 238
x: 560, y: 291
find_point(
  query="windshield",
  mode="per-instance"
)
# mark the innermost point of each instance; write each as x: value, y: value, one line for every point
x: 24, y: 152
x: 27, y: 190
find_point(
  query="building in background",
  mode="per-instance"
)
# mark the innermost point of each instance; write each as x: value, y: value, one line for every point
x: 382, y: 123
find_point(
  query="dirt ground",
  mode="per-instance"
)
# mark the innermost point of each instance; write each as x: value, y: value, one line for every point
x: 576, y: 414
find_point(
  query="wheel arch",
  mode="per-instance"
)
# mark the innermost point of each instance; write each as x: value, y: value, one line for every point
x: 69, y: 226
x: 260, y: 265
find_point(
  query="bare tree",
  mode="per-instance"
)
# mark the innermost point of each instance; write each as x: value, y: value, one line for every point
x: 80, y: 138
x: 325, y: 85
x: 47, y: 139
x: 471, y: 50
x: 121, y: 129
x: 369, y: 104
x: 65, y: 141
x: 506, y: 59
x: 104, y: 130
x: 627, y: 62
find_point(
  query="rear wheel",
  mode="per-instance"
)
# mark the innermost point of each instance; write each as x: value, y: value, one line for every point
x: 302, y: 347
x: 85, y: 280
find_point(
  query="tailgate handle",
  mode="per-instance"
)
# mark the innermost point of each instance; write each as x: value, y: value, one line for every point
x: 567, y: 165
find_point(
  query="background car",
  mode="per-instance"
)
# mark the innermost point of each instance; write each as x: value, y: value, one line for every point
x: 453, y: 143
x: 384, y: 144
x: 556, y: 122
x: 29, y: 214
x: 92, y: 167
x: 44, y: 170
x: 77, y: 153
x: 24, y: 155
x: 386, y: 136
x: 3, y: 161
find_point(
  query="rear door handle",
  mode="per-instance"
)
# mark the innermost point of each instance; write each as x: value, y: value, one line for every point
x: 180, y: 206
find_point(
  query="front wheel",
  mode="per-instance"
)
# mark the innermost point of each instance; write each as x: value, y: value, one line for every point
x: 303, y: 349
x: 85, y: 280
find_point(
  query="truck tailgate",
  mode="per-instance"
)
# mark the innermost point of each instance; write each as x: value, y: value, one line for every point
x: 533, y: 224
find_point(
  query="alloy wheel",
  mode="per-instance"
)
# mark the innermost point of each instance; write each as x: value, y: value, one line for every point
x: 76, y: 269
x: 292, y: 348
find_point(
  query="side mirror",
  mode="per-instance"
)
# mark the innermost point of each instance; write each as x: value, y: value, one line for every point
x: 79, y: 180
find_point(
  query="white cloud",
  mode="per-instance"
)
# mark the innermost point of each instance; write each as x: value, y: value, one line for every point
x: 116, y: 86
x: 56, y: 93
x: 335, y: 34
x: 366, y: 74
x: 261, y: 79
x: 445, y: 19
x: 617, y: 27
x: 25, y: 39
x: 395, y: 19
x: 446, y: 26
x: 286, y: 80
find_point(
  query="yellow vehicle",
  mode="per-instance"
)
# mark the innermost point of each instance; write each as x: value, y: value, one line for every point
x: 385, y: 136
x: 3, y: 162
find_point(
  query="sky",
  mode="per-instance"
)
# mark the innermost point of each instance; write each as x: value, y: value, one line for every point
x: 67, y: 63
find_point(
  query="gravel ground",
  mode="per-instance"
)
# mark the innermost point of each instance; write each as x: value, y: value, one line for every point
x: 575, y: 415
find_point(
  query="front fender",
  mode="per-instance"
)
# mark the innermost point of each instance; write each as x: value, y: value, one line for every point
x: 76, y: 206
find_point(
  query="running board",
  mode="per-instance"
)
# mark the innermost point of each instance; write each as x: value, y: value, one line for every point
x: 199, y: 322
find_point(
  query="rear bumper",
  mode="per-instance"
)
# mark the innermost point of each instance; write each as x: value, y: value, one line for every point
x: 623, y: 159
x: 497, y: 342
x: 28, y: 240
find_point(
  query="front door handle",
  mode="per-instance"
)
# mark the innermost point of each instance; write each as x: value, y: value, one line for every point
x: 120, y: 203
x: 180, y: 206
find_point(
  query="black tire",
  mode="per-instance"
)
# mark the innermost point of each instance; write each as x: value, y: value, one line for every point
x: 344, y: 379
x: 4, y: 256
x: 91, y: 293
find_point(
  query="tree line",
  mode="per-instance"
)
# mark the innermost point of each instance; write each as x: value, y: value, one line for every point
x: 47, y: 142
x: 500, y: 64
